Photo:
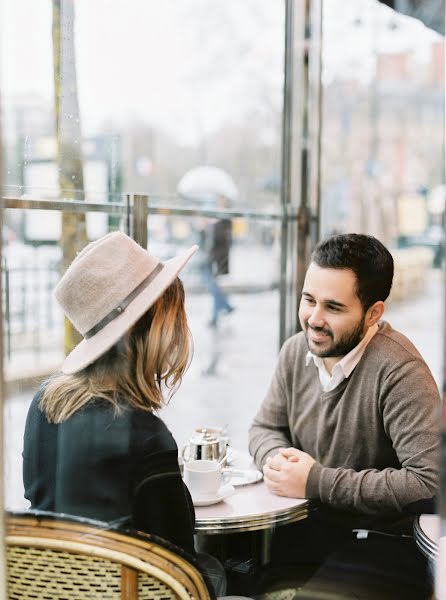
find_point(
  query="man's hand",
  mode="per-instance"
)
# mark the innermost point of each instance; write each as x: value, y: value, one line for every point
x: 286, y: 473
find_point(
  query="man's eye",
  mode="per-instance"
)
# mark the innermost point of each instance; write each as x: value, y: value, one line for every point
x: 333, y: 308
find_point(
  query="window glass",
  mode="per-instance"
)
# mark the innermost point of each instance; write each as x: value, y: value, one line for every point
x: 35, y: 333
x: 161, y: 88
x: 174, y: 101
x: 235, y: 356
x: 382, y: 162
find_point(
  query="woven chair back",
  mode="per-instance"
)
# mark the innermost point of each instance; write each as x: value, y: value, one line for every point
x: 53, y: 559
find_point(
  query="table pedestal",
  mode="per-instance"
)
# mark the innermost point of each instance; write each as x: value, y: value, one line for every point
x: 252, y: 509
x: 238, y: 531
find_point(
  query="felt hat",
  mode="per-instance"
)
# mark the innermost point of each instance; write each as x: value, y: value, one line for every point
x: 110, y: 284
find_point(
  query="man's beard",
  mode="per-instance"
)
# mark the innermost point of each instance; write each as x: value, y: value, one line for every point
x: 341, y: 347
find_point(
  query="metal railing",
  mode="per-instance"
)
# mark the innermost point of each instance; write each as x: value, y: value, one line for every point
x: 156, y: 205
x: 30, y: 310
x: 27, y: 297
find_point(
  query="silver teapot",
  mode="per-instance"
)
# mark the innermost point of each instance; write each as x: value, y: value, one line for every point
x: 203, y: 445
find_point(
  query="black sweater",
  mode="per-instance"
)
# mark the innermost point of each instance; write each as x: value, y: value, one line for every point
x: 108, y: 467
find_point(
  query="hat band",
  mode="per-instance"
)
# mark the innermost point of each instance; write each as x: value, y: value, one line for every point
x: 123, y: 305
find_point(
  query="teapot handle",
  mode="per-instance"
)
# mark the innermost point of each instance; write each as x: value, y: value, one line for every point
x: 183, y: 453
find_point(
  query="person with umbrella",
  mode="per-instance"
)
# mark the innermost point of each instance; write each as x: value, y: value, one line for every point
x: 217, y: 241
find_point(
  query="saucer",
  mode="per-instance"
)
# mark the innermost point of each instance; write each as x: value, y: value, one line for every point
x: 244, y: 476
x: 224, y: 492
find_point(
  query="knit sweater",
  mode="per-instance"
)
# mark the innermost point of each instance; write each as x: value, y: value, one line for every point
x: 374, y: 437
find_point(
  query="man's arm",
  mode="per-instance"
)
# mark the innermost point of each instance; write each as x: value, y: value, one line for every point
x: 270, y: 428
x: 410, y: 407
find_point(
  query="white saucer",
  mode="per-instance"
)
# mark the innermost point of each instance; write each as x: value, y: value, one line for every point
x: 224, y: 492
x: 244, y: 476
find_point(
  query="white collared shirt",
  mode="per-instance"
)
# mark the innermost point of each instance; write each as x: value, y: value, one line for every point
x: 343, y: 369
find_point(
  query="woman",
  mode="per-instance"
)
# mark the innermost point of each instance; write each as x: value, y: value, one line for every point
x: 93, y: 444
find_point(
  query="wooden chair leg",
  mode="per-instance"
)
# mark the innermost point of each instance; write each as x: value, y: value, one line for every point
x: 129, y: 583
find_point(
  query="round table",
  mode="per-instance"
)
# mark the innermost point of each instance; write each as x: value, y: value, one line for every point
x: 427, y: 529
x: 427, y: 535
x: 251, y: 508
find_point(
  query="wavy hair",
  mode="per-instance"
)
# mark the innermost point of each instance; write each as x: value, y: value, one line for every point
x: 148, y: 360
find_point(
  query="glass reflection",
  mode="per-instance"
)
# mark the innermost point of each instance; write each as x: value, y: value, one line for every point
x: 140, y: 130
x: 383, y: 154
x: 35, y: 333
x: 184, y: 86
x: 234, y: 357
x: 94, y: 117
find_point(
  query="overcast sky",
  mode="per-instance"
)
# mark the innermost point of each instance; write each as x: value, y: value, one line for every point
x: 188, y: 65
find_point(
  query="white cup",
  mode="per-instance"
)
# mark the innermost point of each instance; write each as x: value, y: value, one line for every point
x: 203, y: 477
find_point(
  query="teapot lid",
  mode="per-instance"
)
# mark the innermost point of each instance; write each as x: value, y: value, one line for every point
x: 203, y: 437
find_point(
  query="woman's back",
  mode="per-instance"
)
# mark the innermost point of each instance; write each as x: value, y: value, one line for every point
x: 93, y: 446
x: 110, y: 467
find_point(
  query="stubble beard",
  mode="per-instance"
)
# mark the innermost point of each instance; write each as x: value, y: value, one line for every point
x: 341, y: 347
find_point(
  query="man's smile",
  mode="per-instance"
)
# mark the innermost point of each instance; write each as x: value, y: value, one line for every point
x: 318, y: 335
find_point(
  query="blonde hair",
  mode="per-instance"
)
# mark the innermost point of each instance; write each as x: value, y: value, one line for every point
x: 153, y: 355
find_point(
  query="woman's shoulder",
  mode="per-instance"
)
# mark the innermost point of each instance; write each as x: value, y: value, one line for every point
x: 34, y: 408
x: 144, y: 430
x: 146, y: 418
x: 150, y: 430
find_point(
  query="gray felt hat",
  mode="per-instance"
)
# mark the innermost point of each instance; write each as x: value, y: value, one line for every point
x: 107, y: 288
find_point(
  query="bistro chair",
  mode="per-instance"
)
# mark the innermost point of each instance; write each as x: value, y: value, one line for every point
x: 56, y: 557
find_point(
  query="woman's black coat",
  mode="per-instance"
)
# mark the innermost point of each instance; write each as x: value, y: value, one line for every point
x: 115, y: 468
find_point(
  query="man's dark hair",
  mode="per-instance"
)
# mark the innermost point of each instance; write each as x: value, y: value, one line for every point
x: 366, y: 256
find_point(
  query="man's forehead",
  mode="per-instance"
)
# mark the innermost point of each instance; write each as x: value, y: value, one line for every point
x: 330, y: 284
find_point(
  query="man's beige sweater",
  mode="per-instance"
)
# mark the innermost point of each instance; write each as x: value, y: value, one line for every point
x: 374, y: 438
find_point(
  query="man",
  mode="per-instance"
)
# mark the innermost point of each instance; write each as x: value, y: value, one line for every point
x: 351, y: 418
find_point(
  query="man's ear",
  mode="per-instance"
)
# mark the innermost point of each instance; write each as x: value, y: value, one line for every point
x: 374, y: 313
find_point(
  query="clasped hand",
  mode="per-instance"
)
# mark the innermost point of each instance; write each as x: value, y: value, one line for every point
x: 286, y: 472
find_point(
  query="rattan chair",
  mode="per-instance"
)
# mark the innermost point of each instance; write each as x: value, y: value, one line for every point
x: 54, y: 557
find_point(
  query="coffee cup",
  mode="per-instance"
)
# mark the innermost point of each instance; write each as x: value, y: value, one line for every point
x: 204, y: 477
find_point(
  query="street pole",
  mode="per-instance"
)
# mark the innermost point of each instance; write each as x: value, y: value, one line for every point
x: 301, y: 141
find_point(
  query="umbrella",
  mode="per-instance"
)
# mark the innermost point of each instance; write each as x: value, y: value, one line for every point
x: 207, y: 183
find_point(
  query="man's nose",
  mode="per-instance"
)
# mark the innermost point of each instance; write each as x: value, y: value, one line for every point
x: 316, y: 318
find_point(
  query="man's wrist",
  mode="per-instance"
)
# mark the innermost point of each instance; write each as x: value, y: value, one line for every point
x: 270, y: 452
x: 312, y: 487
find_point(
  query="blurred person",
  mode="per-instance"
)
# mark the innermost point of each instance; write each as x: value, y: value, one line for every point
x: 216, y: 242
x: 351, y: 421
x: 93, y: 444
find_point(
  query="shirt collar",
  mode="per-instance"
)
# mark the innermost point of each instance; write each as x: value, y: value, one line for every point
x: 350, y: 360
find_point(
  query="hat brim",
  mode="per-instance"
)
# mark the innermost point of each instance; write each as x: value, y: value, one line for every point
x: 88, y: 350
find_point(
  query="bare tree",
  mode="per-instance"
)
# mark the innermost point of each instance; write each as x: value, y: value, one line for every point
x: 69, y: 140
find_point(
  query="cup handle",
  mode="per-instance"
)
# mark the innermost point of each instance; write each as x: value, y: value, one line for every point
x: 226, y: 475
x: 183, y: 453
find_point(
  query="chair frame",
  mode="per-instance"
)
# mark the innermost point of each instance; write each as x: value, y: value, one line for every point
x: 135, y: 553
